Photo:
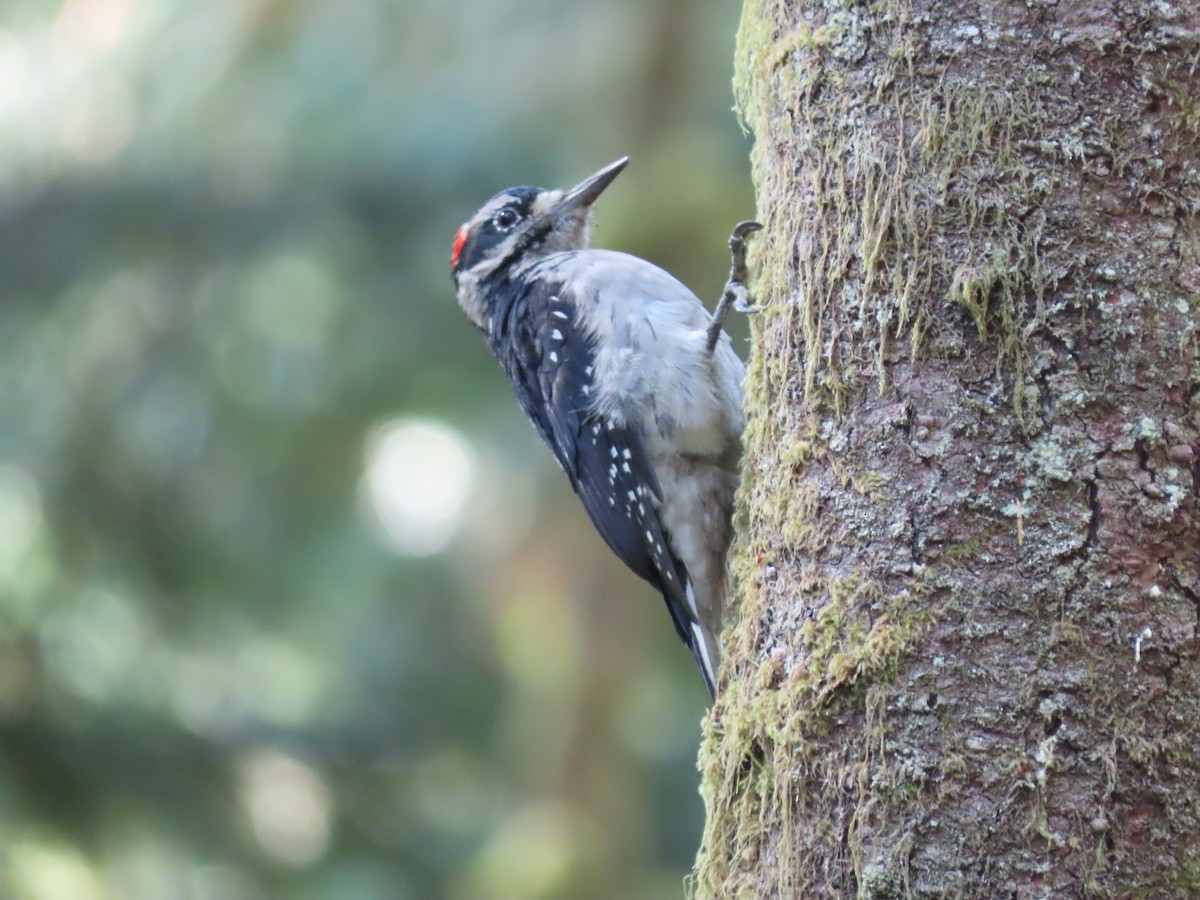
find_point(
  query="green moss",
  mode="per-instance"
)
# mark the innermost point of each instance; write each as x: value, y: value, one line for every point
x: 1185, y: 880
x: 966, y: 549
x: 851, y: 252
x: 755, y: 756
x: 766, y: 720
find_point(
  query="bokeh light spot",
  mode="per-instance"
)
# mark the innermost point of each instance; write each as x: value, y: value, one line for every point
x: 529, y: 856
x: 43, y: 871
x: 94, y: 27
x: 20, y: 518
x: 16, y: 70
x: 96, y: 643
x: 289, y: 807
x: 99, y: 120
x: 417, y: 480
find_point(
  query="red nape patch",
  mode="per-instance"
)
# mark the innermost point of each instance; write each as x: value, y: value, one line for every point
x: 460, y: 238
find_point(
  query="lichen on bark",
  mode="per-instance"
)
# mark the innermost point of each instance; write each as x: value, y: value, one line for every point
x: 972, y: 457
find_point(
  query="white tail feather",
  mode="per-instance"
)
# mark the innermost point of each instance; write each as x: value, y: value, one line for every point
x: 703, y: 655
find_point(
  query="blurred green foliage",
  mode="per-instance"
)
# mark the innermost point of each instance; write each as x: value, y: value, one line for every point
x: 292, y: 603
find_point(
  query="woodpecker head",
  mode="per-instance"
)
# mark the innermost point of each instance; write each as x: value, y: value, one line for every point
x: 518, y: 226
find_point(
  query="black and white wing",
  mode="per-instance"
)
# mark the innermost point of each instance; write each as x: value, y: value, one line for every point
x: 550, y: 364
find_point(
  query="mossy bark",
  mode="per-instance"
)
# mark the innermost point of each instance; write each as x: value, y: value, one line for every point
x: 965, y: 661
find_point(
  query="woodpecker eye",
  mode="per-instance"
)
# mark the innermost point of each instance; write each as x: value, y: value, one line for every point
x: 505, y: 218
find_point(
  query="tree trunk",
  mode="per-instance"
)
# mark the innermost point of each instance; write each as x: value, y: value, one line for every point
x: 966, y: 659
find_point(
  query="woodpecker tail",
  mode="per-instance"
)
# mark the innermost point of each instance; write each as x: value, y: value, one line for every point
x: 704, y: 644
x: 704, y: 649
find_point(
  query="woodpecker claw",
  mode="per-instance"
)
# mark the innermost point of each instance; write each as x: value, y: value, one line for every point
x: 741, y: 231
x: 735, y: 295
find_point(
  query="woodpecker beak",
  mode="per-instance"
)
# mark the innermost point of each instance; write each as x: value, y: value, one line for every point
x: 585, y: 193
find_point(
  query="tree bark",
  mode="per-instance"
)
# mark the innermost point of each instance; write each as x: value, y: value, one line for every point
x: 966, y: 659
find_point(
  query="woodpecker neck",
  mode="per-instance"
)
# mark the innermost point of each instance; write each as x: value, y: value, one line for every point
x: 479, y: 294
x: 492, y: 299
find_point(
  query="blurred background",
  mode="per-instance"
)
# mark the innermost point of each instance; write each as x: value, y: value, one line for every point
x: 293, y: 603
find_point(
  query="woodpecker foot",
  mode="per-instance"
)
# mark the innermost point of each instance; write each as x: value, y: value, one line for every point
x: 735, y: 295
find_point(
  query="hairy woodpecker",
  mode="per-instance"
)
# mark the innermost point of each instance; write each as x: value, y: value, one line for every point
x: 628, y: 379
